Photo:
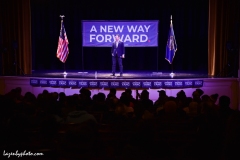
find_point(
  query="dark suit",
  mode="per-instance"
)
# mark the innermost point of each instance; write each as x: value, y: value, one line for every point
x: 117, y: 52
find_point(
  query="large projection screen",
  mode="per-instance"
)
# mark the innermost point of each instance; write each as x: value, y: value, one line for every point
x: 96, y: 33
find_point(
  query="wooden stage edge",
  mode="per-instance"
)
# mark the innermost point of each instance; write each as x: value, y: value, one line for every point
x: 223, y: 86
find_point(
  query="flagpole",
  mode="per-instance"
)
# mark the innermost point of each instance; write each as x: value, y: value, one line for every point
x: 64, y: 66
x: 171, y: 74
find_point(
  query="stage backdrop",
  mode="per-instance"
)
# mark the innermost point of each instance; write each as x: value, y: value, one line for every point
x: 132, y: 33
x: 190, y: 21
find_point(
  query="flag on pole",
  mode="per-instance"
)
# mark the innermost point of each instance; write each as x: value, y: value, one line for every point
x: 171, y: 47
x: 62, y: 50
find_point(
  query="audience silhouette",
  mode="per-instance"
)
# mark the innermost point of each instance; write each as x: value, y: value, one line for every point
x: 109, y: 127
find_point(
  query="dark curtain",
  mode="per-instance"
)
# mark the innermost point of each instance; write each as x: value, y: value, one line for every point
x: 15, y: 37
x: 223, y: 37
x: 190, y: 21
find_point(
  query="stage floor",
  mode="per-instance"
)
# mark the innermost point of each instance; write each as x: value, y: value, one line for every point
x: 90, y: 74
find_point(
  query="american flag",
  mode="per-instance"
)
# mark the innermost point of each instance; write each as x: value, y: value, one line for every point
x: 62, y: 50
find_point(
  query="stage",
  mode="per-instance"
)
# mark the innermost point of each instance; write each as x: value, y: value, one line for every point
x: 91, y: 74
x: 72, y: 81
x: 104, y: 79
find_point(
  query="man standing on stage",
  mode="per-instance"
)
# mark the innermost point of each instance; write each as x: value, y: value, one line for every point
x: 118, y: 52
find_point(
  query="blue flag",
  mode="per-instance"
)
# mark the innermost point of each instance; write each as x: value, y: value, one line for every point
x: 171, y: 47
